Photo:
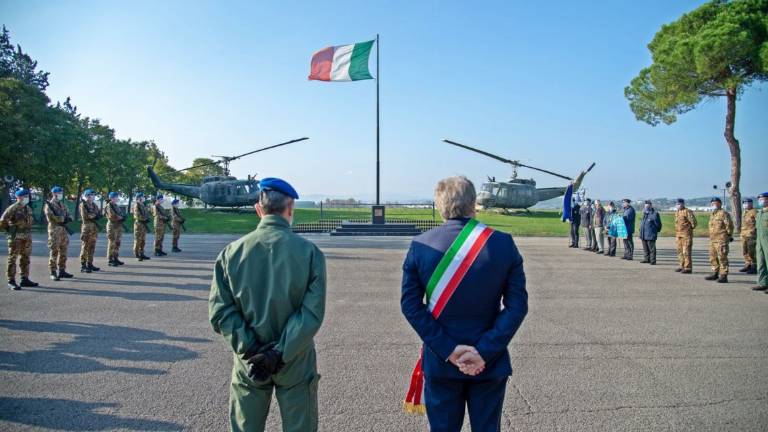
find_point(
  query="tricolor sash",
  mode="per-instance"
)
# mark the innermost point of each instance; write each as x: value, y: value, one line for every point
x: 448, y: 274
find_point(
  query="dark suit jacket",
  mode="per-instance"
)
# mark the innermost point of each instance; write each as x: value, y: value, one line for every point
x: 473, y: 316
x: 629, y: 219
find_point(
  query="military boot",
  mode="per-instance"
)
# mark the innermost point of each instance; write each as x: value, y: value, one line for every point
x: 712, y: 276
x: 12, y: 285
x: 158, y: 253
x: 144, y: 257
x: 744, y: 269
x: 112, y: 262
x: 175, y: 249
x: 754, y: 288
x: 93, y: 267
x: 64, y: 275
x: 139, y: 257
x: 118, y: 262
x: 25, y: 282
x: 679, y: 269
x: 722, y: 279
x: 54, y: 276
x: 752, y: 269
x: 84, y: 268
x: 686, y: 271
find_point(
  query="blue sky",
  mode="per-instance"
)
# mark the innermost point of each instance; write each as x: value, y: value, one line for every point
x: 541, y: 82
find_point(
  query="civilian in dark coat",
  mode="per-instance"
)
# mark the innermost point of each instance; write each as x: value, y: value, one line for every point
x: 649, y: 231
x: 629, y: 221
x: 575, y: 222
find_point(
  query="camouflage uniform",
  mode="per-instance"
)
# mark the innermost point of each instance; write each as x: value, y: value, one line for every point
x: 57, y: 215
x: 115, y: 219
x: 685, y: 223
x: 140, y: 219
x: 160, y: 218
x: 178, y: 220
x: 720, y: 234
x: 89, y: 231
x: 749, y: 237
x: 18, y: 217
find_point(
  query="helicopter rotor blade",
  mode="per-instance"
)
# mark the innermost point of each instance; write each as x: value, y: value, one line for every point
x: 231, y: 158
x: 509, y: 161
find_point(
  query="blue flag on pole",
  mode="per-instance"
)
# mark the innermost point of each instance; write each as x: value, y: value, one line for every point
x: 567, y: 203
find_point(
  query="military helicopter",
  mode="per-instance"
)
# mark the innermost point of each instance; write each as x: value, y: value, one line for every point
x: 517, y: 193
x: 220, y: 190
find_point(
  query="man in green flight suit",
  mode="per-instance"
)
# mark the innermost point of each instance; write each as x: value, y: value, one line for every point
x: 761, y: 255
x: 268, y: 301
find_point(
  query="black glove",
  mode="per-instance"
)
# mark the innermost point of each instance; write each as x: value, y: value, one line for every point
x: 266, y: 362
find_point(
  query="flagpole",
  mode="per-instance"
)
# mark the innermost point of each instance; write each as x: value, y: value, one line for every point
x: 378, y: 163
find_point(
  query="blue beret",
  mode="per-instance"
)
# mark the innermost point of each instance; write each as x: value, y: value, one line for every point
x: 627, y: 200
x: 746, y: 200
x: 680, y: 201
x: 57, y: 189
x: 276, y: 184
x: 716, y: 199
x: 763, y: 195
x: 112, y: 195
x: 139, y: 194
x: 22, y: 192
x: 175, y: 201
x: 88, y: 192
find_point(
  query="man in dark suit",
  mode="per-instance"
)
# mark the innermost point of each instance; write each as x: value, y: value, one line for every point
x: 575, y: 222
x: 650, y: 226
x: 465, y: 360
x: 629, y: 222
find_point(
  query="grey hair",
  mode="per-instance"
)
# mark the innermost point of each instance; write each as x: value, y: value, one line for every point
x: 455, y: 197
x: 274, y: 202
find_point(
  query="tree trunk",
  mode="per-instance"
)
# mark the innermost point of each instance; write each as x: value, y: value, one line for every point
x: 733, y: 146
x: 5, y: 194
x: 77, y: 199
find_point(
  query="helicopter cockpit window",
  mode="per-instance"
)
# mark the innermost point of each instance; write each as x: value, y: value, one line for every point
x: 502, y: 192
x: 486, y: 188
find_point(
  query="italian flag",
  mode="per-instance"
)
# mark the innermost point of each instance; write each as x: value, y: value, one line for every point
x: 342, y: 63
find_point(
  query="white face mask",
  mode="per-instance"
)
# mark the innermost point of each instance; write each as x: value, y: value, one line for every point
x: 58, y: 196
x: 714, y: 208
x: 744, y: 206
x: 762, y: 203
x: 25, y: 201
x: 679, y: 206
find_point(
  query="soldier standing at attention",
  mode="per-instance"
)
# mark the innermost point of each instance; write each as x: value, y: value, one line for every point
x: 748, y: 236
x: 160, y: 219
x: 17, y: 220
x: 140, y: 221
x: 115, y: 220
x: 268, y: 301
x: 178, y: 221
x: 761, y: 253
x: 89, y: 231
x: 58, y: 237
x: 685, y: 223
x: 720, y: 234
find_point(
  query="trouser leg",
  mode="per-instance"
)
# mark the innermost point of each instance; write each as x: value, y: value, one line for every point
x: 248, y: 406
x: 714, y: 264
x: 10, y: 269
x: 652, y: 250
x: 485, y: 400
x: 445, y: 400
x: 761, y: 256
x: 600, y: 239
x: 25, y: 251
x: 646, y: 250
x: 298, y: 406
x: 53, y: 252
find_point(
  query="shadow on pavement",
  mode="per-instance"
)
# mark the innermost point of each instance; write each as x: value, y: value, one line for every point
x: 91, y: 344
x: 137, y: 296
x: 192, y: 286
x: 62, y: 414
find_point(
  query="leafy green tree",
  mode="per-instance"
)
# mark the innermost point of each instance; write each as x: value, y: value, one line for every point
x: 715, y: 51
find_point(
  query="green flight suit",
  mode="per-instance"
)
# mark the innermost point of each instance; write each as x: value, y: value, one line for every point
x: 761, y: 254
x: 270, y: 286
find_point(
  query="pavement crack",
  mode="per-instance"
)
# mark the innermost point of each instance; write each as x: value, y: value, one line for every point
x: 527, y: 403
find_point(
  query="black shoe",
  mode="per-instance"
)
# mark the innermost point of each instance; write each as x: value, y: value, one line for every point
x: 112, y: 263
x: 722, y: 279
x: 162, y: 253
x: 754, y: 288
x: 744, y: 269
x: 93, y: 267
x: 652, y: 263
x: 144, y: 257
x: 599, y: 252
x: 64, y: 275
x: 752, y: 270
x: 712, y: 276
x: 84, y: 268
x: 175, y: 250
x: 644, y: 262
x: 157, y: 253
x: 679, y: 269
x: 25, y: 282
x: 139, y: 257
x: 118, y: 262
x: 54, y: 276
x: 12, y: 285
x: 686, y: 271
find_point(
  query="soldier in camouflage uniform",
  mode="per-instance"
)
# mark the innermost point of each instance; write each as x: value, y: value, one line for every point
x: 89, y: 231
x: 761, y: 252
x: 57, y: 215
x: 178, y: 221
x: 161, y: 217
x: 685, y: 223
x: 748, y: 236
x: 720, y: 234
x: 140, y: 221
x: 115, y: 220
x: 17, y: 220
